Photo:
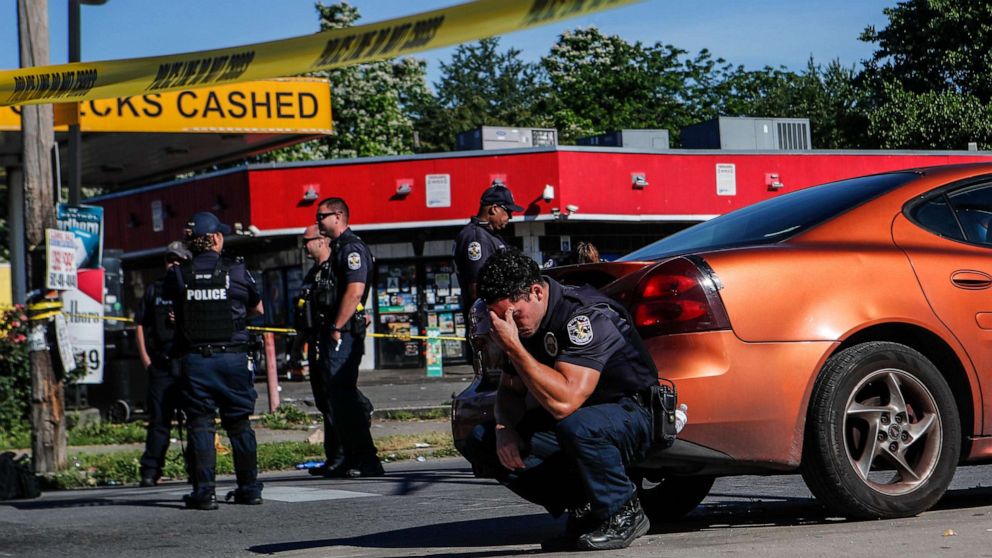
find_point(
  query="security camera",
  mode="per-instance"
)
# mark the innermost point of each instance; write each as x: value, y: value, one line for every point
x: 572, y: 208
x: 255, y: 231
x: 549, y: 193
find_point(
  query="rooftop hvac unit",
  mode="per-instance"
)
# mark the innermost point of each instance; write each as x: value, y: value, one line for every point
x: 762, y: 134
x: 497, y: 137
x: 650, y: 140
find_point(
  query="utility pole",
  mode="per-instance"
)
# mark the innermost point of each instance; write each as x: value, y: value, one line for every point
x: 48, y: 428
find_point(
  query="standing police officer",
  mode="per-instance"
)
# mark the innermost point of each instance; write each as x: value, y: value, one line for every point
x: 313, y: 311
x: 575, y: 353
x: 213, y: 297
x: 342, y: 342
x: 478, y: 239
x: 155, y: 332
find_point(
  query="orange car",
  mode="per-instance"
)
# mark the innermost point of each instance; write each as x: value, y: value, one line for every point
x: 843, y: 331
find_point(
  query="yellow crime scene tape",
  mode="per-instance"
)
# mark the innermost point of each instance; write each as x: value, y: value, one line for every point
x: 48, y: 309
x: 335, y: 48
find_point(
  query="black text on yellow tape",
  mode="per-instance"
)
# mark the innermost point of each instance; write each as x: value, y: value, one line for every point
x: 334, y: 48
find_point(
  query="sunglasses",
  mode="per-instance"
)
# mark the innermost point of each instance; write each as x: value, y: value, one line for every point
x: 321, y: 216
x: 504, y: 208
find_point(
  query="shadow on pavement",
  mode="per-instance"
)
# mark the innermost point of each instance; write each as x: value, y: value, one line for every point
x: 510, y: 531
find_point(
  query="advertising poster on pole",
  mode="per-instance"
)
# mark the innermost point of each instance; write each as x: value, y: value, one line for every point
x: 60, y: 268
x: 434, y: 353
x: 84, y: 311
x: 86, y: 223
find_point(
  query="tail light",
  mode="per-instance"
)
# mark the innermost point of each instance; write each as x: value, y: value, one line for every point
x: 678, y: 296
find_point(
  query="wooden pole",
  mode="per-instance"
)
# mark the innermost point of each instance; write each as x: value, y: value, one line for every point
x: 48, y: 428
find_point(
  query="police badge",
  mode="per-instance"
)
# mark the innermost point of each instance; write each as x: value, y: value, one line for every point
x: 354, y: 261
x: 580, y: 330
x: 474, y: 251
x: 551, y: 344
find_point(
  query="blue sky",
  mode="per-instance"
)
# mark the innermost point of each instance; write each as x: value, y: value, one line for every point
x: 754, y: 33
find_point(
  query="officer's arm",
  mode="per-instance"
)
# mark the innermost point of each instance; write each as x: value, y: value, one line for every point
x: 510, y: 402
x: 349, y: 304
x: 562, y: 389
x: 139, y: 335
x: 139, y: 338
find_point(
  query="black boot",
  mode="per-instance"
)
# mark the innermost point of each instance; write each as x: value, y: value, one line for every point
x: 619, y: 530
x: 203, y: 502
x: 579, y: 522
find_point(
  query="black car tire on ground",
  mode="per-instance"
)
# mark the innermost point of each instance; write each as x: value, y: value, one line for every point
x: 883, y: 435
x: 673, y: 497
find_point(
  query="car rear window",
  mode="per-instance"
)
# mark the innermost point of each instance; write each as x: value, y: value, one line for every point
x: 773, y: 220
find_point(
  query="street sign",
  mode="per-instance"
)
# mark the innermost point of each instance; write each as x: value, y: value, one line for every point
x: 60, y: 260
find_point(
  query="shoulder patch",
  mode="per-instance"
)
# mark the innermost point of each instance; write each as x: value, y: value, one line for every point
x: 474, y: 251
x: 354, y: 260
x: 580, y: 330
x: 551, y: 344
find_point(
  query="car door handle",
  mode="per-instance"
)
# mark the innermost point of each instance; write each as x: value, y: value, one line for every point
x: 970, y: 279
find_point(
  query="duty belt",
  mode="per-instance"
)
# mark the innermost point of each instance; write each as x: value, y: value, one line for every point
x: 209, y: 350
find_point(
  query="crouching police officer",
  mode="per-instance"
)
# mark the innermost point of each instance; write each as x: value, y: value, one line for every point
x: 154, y: 335
x: 313, y: 310
x: 342, y: 342
x: 213, y: 297
x: 574, y: 352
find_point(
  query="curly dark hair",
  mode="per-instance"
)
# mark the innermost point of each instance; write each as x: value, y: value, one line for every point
x: 198, y: 244
x: 508, y: 274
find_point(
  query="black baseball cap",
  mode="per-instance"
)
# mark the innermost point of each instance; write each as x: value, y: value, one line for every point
x: 499, y: 195
x: 176, y: 249
x: 204, y: 223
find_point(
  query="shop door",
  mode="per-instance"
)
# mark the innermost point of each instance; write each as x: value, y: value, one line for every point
x: 397, y: 313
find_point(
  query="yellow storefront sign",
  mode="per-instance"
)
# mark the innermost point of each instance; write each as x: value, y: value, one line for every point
x: 290, y: 106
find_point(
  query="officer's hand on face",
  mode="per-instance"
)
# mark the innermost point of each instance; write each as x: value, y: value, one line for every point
x: 504, y: 330
x: 508, y: 444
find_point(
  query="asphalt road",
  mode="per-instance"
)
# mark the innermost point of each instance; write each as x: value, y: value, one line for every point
x: 436, y: 508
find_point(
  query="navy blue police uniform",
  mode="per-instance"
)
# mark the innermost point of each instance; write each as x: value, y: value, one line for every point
x: 351, y: 262
x: 164, y: 397
x: 473, y: 246
x: 211, y: 295
x: 582, y: 459
x: 313, y: 310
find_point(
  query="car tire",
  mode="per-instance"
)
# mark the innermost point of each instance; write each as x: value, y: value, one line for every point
x: 674, y: 497
x: 882, y: 436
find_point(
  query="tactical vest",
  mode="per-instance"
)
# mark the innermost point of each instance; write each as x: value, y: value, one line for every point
x: 163, y: 328
x: 323, y: 297
x: 207, y: 316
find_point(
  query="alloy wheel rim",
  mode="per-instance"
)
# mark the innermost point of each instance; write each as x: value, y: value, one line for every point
x: 892, y: 432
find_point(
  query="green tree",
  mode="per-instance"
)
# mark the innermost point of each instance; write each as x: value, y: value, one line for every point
x: 930, y: 78
x: 371, y: 103
x: 598, y: 83
x: 828, y: 96
x: 935, y: 45
x: 480, y: 86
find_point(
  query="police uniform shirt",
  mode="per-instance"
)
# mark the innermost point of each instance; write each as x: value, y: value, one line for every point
x: 145, y: 316
x: 473, y: 246
x: 351, y: 262
x: 314, y: 274
x: 581, y: 327
x: 243, y: 290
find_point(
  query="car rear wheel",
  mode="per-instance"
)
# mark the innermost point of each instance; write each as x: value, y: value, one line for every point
x: 673, y: 497
x: 882, y: 434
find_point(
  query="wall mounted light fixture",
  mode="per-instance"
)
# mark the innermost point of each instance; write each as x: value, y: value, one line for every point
x: 638, y: 180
